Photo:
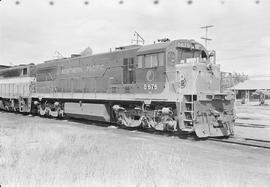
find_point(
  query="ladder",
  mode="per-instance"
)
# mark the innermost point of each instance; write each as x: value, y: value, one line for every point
x: 188, y: 111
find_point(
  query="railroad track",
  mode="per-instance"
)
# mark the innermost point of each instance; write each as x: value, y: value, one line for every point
x: 265, y: 144
x: 251, y: 125
x: 250, y: 142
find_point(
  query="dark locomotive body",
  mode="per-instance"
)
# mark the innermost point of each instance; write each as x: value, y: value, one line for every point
x: 167, y: 86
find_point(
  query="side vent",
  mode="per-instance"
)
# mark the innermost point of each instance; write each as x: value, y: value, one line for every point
x: 113, y: 89
x: 127, y: 89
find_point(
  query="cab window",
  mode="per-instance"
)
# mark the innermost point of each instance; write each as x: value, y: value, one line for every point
x: 151, y: 60
x: 188, y: 56
x: 140, y: 61
x: 161, y: 59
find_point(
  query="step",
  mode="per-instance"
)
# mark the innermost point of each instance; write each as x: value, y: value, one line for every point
x: 188, y: 120
x: 187, y: 130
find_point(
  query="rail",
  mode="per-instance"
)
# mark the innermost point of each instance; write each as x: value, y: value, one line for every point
x: 249, y: 142
x: 244, y: 141
x: 102, y: 75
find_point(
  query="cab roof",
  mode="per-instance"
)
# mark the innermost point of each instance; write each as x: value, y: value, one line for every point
x: 153, y: 48
x: 17, y: 67
x: 161, y: 47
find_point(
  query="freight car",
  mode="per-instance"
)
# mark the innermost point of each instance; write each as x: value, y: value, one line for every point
x: 16, y: 86
x: 166, y: 86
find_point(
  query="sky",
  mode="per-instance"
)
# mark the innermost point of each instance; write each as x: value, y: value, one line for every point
x: 33, y: 30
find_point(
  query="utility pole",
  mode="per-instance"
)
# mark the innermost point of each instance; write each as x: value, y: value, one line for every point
x: 138, y: 39
x: 206, y: 39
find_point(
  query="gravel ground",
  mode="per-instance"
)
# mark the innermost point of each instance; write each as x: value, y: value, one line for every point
x: 43, y: 152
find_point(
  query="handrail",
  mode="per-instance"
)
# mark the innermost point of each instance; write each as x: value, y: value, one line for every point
x: 102, y: 75
x: 174, y: 81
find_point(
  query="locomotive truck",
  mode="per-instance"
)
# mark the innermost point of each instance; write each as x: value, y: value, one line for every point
x: 167, y: 86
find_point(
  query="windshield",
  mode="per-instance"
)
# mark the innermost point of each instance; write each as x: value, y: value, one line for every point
x: 189, y: 56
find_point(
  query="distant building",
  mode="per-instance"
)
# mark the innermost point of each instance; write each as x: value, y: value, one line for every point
x: 3, y: 67
x: 247, y: 88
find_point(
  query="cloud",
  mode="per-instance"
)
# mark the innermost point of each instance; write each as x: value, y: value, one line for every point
x: 265, y: 42
x: 33, y: 31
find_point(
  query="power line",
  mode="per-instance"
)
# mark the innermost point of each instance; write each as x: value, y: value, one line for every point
x: 263, y: 75
x: 245, y: 57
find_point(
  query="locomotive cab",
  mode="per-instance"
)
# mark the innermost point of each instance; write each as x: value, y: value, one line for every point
x: 179, y: 84
x: 195, y: 77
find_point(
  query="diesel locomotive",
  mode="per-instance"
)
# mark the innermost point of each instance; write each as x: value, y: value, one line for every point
x: 166, y: 86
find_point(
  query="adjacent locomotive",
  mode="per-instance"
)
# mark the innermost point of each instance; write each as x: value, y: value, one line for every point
x: 16, y: 85
x: 166, y: 86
